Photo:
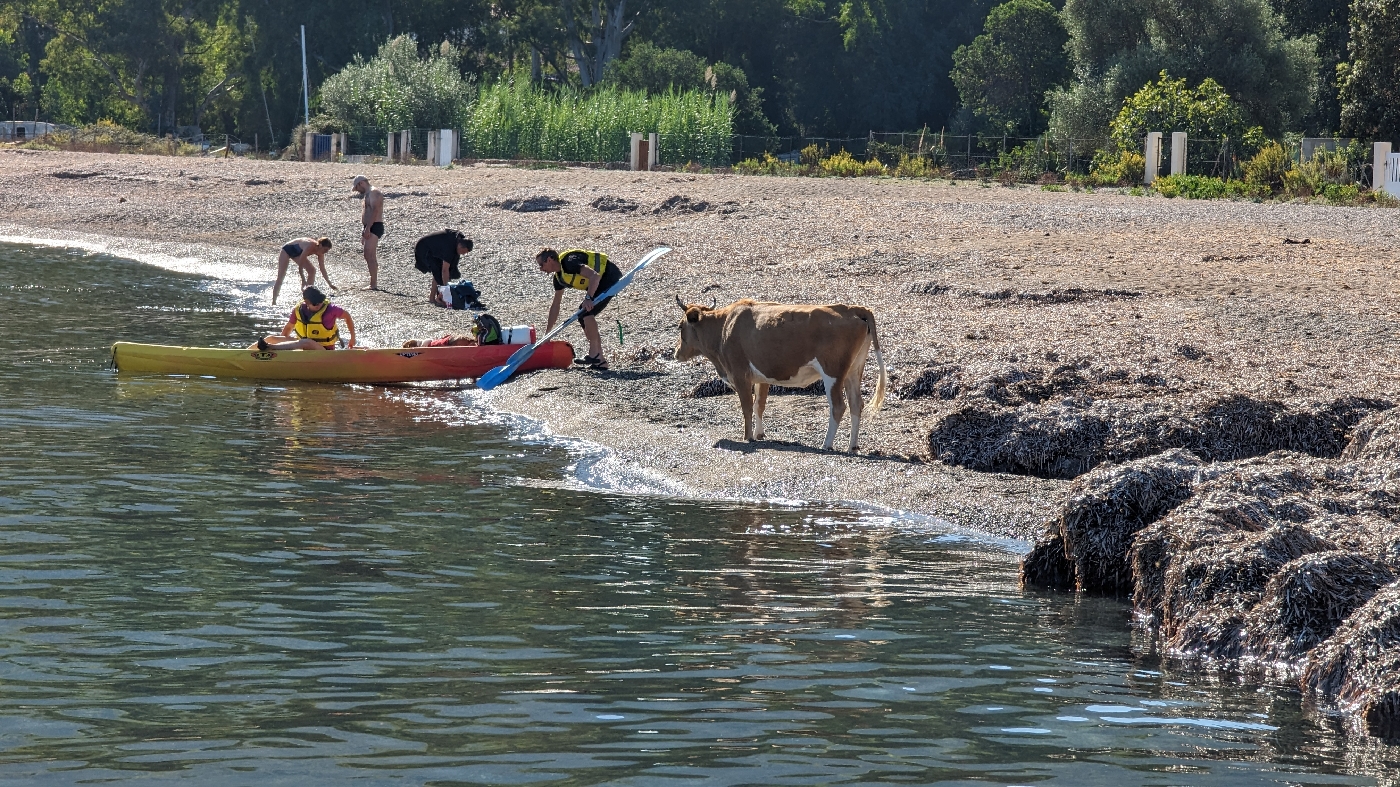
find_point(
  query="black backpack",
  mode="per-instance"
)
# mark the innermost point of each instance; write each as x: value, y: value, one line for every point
x: 488, y: 330
x: 465, y: 295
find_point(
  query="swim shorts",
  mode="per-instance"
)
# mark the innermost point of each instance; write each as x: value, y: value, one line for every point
x: 377, y: 229
x: 292, y: 250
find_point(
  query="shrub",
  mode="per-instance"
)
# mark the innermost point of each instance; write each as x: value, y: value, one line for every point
x: 1268, y: 167
x: 396, y: 89
x: 844, y: 165
x: 1207, y: 112
x: 768, y: 165
x: 916, y: 167
x: 813, y: 155
x: 1117, y: 168
x: 1200, y: 187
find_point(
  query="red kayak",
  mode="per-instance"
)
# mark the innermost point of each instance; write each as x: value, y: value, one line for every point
x: 402, y: 365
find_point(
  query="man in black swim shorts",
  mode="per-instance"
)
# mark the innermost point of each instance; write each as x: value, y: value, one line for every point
x: 592, y: 272
x: 372, y: 220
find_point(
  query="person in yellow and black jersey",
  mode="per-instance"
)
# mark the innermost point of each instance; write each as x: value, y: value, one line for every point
x: 591, y: 272
x: 313, y: 325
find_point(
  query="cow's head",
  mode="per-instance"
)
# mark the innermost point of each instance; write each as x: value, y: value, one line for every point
x: 692, y: 342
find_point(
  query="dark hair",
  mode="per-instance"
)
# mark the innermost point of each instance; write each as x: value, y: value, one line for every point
x: 324, y: 243
x: 463, y: 240
x: 313, y: 296
x: 546, y: 254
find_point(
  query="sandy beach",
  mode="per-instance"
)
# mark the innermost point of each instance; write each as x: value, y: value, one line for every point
x: 988, y: 300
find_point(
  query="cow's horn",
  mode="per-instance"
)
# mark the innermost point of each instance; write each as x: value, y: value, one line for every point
x: 714, y: 304
x: 680, y: 303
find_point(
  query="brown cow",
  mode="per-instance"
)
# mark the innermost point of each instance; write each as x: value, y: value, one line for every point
x: 762, y: 344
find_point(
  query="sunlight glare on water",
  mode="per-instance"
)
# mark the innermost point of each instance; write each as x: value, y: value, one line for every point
x: 235, y: 583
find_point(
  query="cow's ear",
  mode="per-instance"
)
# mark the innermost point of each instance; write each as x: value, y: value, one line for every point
x: 692, y: 314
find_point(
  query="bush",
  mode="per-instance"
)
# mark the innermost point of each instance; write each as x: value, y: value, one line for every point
x: 525, y: 122
x: 1268, y: 167
x: 1117, y: 168
x: 812, y: 155
x: 916, y: 167
x: 844, y: 165
x: 769, y: 165
x: 396, y: 89
x: 1201, y: 187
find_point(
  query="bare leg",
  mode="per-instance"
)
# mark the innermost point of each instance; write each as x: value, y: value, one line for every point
x: 595, y: 339
x: 308, y: 274
x: 760, y: 407
x: 372, y: 258
x: 282, y: 260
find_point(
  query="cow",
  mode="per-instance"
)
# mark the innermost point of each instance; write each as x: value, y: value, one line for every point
x: 764, y: 344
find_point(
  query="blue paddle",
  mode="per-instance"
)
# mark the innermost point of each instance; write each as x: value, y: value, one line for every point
x: 500, y: 374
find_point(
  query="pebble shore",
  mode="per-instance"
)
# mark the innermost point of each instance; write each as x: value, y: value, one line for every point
x: 983, y: 295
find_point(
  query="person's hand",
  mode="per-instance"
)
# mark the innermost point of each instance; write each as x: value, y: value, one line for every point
x: 587, y: 303
x: 351, y: 345
x: 366, y: 235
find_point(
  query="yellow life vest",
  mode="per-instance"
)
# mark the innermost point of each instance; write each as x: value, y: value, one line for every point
x: 315, y: 329
x: 596, y: 260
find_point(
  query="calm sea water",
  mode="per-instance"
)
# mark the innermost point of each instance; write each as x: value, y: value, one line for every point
x: 239, y: 583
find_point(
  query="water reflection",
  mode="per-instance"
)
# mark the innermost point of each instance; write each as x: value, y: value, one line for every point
x: 232, y: 582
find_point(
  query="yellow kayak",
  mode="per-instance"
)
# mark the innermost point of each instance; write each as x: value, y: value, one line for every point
x: 393, y: 365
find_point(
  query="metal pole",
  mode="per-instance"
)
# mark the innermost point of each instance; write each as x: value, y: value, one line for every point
x: 305, y: 91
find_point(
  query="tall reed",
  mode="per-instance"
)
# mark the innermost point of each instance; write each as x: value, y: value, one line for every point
x: 526, y: 122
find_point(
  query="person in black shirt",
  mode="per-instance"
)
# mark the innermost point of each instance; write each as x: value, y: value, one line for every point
x: 591, y: 272
x: 438, y: 254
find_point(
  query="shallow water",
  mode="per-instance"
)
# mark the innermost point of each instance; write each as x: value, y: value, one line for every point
x: 239, y: 583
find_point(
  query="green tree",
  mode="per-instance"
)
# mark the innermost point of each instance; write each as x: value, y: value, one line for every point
x: 396, y: 89
x: 1328, y: 22
x: 1206, y: 112
x: 1238, y: 43
x: 1004, y: 74
x: 1369, y: 85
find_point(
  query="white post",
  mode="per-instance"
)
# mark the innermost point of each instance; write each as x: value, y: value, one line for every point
x: 389, y: 148
x: 310, y: 146
x: 444, y: 147
x: 1178, y: 152
x: 433, y: 137
x: 1152, y: 152
x: 1380, y: 153
x: 636, y: 151
x: 406, y: 145
x: 655, y: 151
x: 305, y: 91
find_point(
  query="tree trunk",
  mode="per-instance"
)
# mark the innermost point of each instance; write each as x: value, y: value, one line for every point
x: 606, y: 33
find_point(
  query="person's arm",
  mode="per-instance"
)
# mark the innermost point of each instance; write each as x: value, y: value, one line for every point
x: 593, y: 279
x: 349, y: 323
x: 321, y: 261
x: 554, y: 310
x: 291, y: 323
x: 446, y: 269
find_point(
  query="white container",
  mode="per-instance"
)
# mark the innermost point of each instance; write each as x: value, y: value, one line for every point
x: 445, y: 290
x: 518, y: 334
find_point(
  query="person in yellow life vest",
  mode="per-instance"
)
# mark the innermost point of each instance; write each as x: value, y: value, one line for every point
x: 591, y: 272
x: 311, y: 326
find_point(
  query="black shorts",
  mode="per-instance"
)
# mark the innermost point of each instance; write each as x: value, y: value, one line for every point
x: 452, y: 273
x: 377, y: 229
x: 292, y: 250
x: 610, y: 277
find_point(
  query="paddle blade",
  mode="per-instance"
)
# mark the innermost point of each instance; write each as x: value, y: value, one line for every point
x: 494, y: 378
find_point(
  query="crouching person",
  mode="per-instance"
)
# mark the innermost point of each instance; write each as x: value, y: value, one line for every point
x: 313, y: 325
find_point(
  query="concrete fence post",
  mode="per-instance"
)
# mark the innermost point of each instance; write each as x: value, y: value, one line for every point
x: 655, y: 147
x: 389, y: 147
x: 433, y: 137
x: 1152, y: 154
x: 1178, y: 152
x: 1380, y: 154
x: 635, y: 158
x: 309, y: 147
x: 405, y: 146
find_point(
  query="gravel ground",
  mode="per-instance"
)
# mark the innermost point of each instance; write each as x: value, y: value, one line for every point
x: 1142, y: 297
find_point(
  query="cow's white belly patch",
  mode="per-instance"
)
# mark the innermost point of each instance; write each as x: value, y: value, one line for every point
x: 806, y: 375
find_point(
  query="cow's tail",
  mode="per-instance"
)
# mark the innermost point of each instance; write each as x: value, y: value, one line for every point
x: 883, y: 382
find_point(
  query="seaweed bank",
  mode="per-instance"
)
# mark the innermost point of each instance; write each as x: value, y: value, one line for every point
x: 1184, y: 391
